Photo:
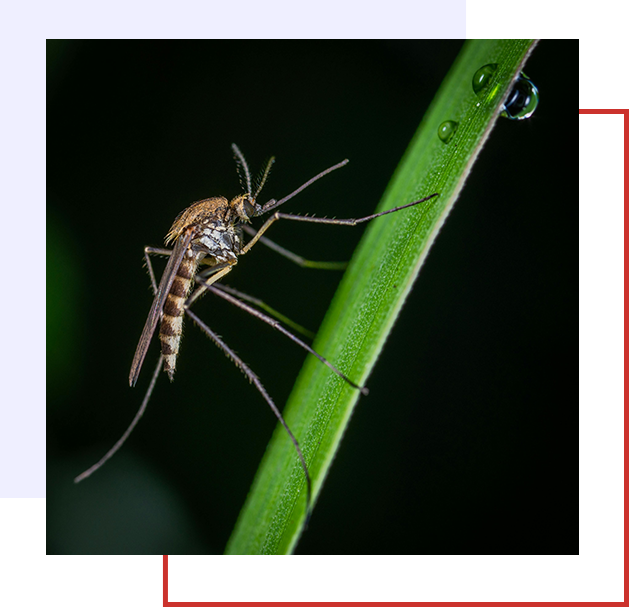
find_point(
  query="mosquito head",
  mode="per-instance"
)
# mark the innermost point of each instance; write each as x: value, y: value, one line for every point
x: 245, y: 207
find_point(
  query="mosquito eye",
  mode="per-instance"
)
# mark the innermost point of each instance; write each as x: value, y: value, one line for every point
x: 249, y: 208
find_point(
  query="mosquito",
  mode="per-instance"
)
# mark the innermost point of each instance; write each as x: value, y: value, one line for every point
x: 208, y: 239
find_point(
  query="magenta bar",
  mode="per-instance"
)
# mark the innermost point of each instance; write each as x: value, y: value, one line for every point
x: 390, y: 581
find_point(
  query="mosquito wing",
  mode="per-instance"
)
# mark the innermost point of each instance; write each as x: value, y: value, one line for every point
x: 165, y: 284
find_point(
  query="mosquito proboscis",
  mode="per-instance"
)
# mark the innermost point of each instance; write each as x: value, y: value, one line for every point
x: 208, y: 239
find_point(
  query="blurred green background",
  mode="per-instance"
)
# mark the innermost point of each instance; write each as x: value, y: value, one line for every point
x: 467, y: 443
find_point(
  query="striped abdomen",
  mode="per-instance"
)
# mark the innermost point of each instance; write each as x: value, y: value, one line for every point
x: 173, y: 311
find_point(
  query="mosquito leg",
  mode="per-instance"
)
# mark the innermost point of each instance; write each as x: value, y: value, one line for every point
x: 166, y: 253
x: 154, y: 251
x: 215, y: 269
x: 147, y: 251
x: 128, y: 431
x: 267, y: 308
x: 215, y: 273
x: 276, y: 325
x: 339, y: 222
x: 252, y: 377
x: 298, y: 259
x: 158, y: 251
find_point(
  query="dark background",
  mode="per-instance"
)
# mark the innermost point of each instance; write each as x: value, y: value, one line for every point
x: 467, y: 443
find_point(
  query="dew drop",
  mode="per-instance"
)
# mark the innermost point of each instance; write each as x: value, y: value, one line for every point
x: 522, y: 100
x: 483, y: 76
x: 446, y: 130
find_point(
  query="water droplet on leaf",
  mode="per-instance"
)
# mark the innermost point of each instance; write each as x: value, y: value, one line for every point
x: 446, y: 130
x: 522, y: 100
x: 482, y: 77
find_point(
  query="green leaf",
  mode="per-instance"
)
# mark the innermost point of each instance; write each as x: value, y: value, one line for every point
x: 372, y: 292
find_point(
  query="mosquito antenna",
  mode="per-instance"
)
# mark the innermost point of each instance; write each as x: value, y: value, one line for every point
x: 264, y: 176
x: 243, y: 169
x: 273, y: 204
x: 128, y: 431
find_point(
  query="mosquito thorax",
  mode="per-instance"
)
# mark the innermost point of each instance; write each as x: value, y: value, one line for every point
x: 216, y: 211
